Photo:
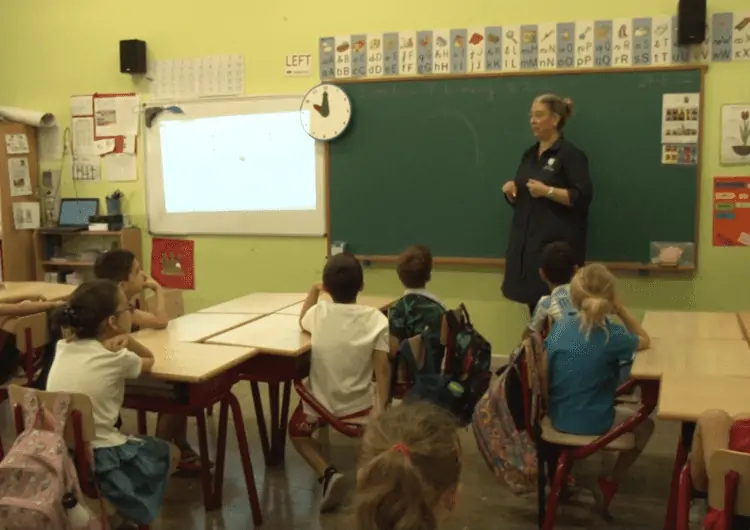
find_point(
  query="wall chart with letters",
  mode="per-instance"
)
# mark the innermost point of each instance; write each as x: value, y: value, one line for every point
x: 619, y: 43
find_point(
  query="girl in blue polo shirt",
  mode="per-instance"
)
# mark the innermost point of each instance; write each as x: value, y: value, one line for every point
x: 585, y: 351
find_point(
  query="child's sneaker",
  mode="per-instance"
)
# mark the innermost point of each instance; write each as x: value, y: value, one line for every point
x: 334, y: 489
x: 698, y: 511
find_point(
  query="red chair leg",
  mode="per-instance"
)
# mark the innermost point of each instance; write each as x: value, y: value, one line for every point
x: 679, y: 461
x: 561, y: 476
x: 205, y: 465
x: 142, y: 423
x: 221, y: 452
x: 247, y: 464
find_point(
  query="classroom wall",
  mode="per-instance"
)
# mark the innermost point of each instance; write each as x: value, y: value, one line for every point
x: 50, y: 50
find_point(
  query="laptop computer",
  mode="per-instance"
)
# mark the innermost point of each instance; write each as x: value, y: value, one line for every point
x: 74, y: 215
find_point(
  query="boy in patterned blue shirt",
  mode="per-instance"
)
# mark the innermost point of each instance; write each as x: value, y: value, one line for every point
x: 558, y: 266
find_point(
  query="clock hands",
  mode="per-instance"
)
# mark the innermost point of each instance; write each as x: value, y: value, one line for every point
x: 323, y: 109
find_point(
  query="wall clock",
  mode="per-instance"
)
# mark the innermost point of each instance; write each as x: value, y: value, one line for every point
x: 325, y: 112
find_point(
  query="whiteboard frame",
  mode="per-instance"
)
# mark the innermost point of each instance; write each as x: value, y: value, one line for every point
x: 307, y: 223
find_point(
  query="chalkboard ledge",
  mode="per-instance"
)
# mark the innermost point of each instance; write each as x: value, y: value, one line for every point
x: 618, y: 266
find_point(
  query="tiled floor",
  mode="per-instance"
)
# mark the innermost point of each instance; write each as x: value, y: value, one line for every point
x: 289, y: 494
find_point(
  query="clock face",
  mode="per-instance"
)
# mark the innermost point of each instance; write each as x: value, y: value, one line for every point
x: 325, y: 112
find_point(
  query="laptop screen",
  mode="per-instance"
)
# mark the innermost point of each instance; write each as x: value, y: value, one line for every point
x: 76, y: 212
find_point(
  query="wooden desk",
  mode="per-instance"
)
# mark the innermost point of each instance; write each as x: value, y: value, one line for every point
x: 203, y: 374
x: 197, y: 327
x: 692, y: 325
x: 263, y: 303
x: 378, y: 302
x: 685, y: 356
x: 277, y: 334
x: 45, y: 290
x: 191, y: 362
x: 684, y: 397
x: 745, y: 324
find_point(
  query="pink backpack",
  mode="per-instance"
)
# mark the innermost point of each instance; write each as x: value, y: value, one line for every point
x: 38, y: 471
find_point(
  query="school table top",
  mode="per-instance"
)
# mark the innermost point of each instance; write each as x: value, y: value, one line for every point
x: 692, y: 325
x: 745, y: 323
x: 276, y: 334
x: 197, y: 327
x: 192, y: 362
x: 45, y: 290
x: 263, y: 303
x: 378, y: 302
x: 684, y: 397
x: 692, y: 356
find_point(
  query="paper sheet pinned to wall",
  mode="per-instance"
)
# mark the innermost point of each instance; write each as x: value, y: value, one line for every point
x: 16, y: 144
x: 26, y: 215
x: 120, y: 167
x: 34, y: 118
x: 116, y: 116
x: 20, y: 179
x: 83, y: 136
x: 104, y: 146
x: 82, y: 106
x: 87, y: 167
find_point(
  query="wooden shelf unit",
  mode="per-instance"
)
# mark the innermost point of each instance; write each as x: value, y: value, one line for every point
x: 75, y: 242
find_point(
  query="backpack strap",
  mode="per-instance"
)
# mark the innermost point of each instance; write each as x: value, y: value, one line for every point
x: 60, y: 412
x: 32, y: 412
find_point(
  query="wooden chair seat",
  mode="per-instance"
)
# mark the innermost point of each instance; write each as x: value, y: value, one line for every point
x: 553, y: 436
x: 723, y: 463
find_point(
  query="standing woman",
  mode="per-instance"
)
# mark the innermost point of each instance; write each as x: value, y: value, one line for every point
x: 550, y: 197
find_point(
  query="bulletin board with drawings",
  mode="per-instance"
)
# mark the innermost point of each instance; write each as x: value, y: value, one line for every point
x: 460, y: 137
x: 731, y: 212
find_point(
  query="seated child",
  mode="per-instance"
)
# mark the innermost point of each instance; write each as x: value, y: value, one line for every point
x: 409, y: 471
x: 10, y: 310
x: 417, y: 309
x: 121, y: 266
x: 348, y: 341
x: 583, y: 355
x: 95, y: 360
x: 715, y: 430
x: 558, y: 265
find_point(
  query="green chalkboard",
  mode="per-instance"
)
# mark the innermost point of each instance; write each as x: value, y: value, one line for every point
x: 424, y: 161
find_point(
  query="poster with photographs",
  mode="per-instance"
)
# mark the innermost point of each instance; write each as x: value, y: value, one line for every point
x: 679, y: 154
x: 680, y: 116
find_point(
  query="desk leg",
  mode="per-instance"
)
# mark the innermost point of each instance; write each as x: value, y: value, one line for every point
x: 261, y: 420
x: 205, y: 465
x: 247, y: 465
x: 221, y: 452
x: 284, y: 420
x: 679, y: 462
x: 273, y: 402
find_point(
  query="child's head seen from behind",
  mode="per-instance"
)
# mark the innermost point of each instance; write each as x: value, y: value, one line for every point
x: 592, y: 292
x: 121, y: 266
x: 343, y: 278
x: 558, y: 264
x: 415, y: 267
x: 409, y: 470
x: 97, y: 309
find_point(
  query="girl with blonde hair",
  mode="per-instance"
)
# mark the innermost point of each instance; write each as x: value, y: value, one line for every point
x: 409, y: 470
x: 584, y: 354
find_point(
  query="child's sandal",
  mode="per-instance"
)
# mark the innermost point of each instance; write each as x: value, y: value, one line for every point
x: 190, y: 461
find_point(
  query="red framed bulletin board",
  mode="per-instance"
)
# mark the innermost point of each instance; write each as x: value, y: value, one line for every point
x: 731, y: 211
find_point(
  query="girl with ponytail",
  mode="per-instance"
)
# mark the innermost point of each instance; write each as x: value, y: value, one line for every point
x: 409, y: 469
x: 585, y: 355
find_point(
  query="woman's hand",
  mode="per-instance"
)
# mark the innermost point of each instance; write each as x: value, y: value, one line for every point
x: 509, y: 189
x: 537, y: 189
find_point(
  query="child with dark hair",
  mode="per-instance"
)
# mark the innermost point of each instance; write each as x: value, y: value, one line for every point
x: 558, y: 266
x: 349, y: 342
x: 121, y: 266
x: 418, y: 309
x: 96, y: 360
x: 409, y: 470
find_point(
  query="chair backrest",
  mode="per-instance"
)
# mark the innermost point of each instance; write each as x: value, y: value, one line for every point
x: 174, y: 302
x: 39, y: 335
x: 724, y: 462
x: 78, y: 402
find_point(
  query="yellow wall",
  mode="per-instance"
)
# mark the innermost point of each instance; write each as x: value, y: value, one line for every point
x: 50, y: 49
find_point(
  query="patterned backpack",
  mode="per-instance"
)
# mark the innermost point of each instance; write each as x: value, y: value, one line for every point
x: 503, y: 419
x: 38, y: 471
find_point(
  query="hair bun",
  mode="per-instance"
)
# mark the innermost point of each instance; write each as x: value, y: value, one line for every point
x: 569, y: 106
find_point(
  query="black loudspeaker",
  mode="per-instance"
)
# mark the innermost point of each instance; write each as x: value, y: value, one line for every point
x: 691, y: 22
x: 133, y: 56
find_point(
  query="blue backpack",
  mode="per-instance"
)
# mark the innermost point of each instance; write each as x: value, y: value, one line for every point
x: 465, y: 377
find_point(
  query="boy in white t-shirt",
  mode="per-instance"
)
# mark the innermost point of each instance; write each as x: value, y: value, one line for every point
x: 348, y: 342
x: 558, y: 266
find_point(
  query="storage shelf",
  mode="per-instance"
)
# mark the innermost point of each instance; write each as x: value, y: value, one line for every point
x: 68, y: 263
